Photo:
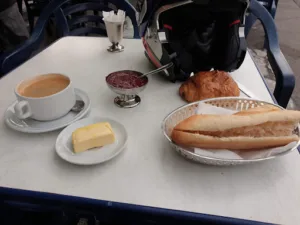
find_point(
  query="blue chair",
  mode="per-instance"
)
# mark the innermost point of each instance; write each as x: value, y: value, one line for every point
x: 270, y: 5
x: 285, y: 80
x: 34, y: 9
x: 71, y: 19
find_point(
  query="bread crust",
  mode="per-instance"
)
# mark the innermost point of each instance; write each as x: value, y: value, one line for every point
x: 257, y: 128
x: 226, y: 122
x: 233, y: 143
x: 261, y: 109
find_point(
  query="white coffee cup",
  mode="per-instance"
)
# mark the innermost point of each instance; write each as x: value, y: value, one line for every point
x: 44, y: 97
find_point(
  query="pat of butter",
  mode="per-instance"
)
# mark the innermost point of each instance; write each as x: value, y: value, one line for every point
x: 92, y: 136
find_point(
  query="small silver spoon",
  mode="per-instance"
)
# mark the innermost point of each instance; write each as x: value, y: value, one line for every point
x: 79, y: 105
x: 158, y: 69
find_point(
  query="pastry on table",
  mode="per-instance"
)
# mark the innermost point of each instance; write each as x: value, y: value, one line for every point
x: 209, y: 84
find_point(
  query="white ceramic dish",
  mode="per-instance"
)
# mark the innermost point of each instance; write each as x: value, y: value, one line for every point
x: 35, y: 126
x: 94, y: 156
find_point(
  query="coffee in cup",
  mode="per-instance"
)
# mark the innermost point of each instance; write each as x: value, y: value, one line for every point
x: 45, y: 97
x: 43, y: 86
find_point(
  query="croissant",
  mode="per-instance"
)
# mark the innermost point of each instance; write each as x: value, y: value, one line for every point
x: 210, y: 84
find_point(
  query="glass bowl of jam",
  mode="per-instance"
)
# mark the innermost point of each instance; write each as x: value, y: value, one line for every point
x: 127, y: 84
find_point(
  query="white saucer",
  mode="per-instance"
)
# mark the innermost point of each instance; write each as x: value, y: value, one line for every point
x: 34, y: 126
x: 64, y: 147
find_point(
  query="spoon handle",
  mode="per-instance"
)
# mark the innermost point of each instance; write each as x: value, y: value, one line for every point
x: 158, y: 69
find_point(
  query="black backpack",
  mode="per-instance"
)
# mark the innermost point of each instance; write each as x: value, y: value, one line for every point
x: 197, y: 35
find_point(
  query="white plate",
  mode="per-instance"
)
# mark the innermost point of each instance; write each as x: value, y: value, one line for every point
x: 64, y: 147
x: 35, y: 126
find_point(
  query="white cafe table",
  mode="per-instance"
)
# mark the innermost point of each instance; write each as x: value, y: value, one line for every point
x: 148, y: 172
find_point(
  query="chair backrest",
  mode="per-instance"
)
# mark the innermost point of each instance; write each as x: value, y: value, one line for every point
x: 85, y: 17
x: 72, y: 20
x: 12, y: 59
x: 270, y: 5
x: 36, y: 4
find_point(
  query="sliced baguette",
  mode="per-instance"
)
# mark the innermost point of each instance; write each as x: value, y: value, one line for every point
x: 226, y: 122
x: 256, y: 128
x: 234, y: 143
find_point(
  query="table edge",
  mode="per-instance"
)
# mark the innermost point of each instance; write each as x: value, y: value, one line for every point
x: 51, y: 199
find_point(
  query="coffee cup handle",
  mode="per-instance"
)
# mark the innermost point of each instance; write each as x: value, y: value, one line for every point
x: 22, y: 110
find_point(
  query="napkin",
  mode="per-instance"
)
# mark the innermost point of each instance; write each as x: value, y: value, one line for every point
x: 112, y: 17
x: 204, y: 108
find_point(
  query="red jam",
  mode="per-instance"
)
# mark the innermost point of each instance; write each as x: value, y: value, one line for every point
x: 126, y: 79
